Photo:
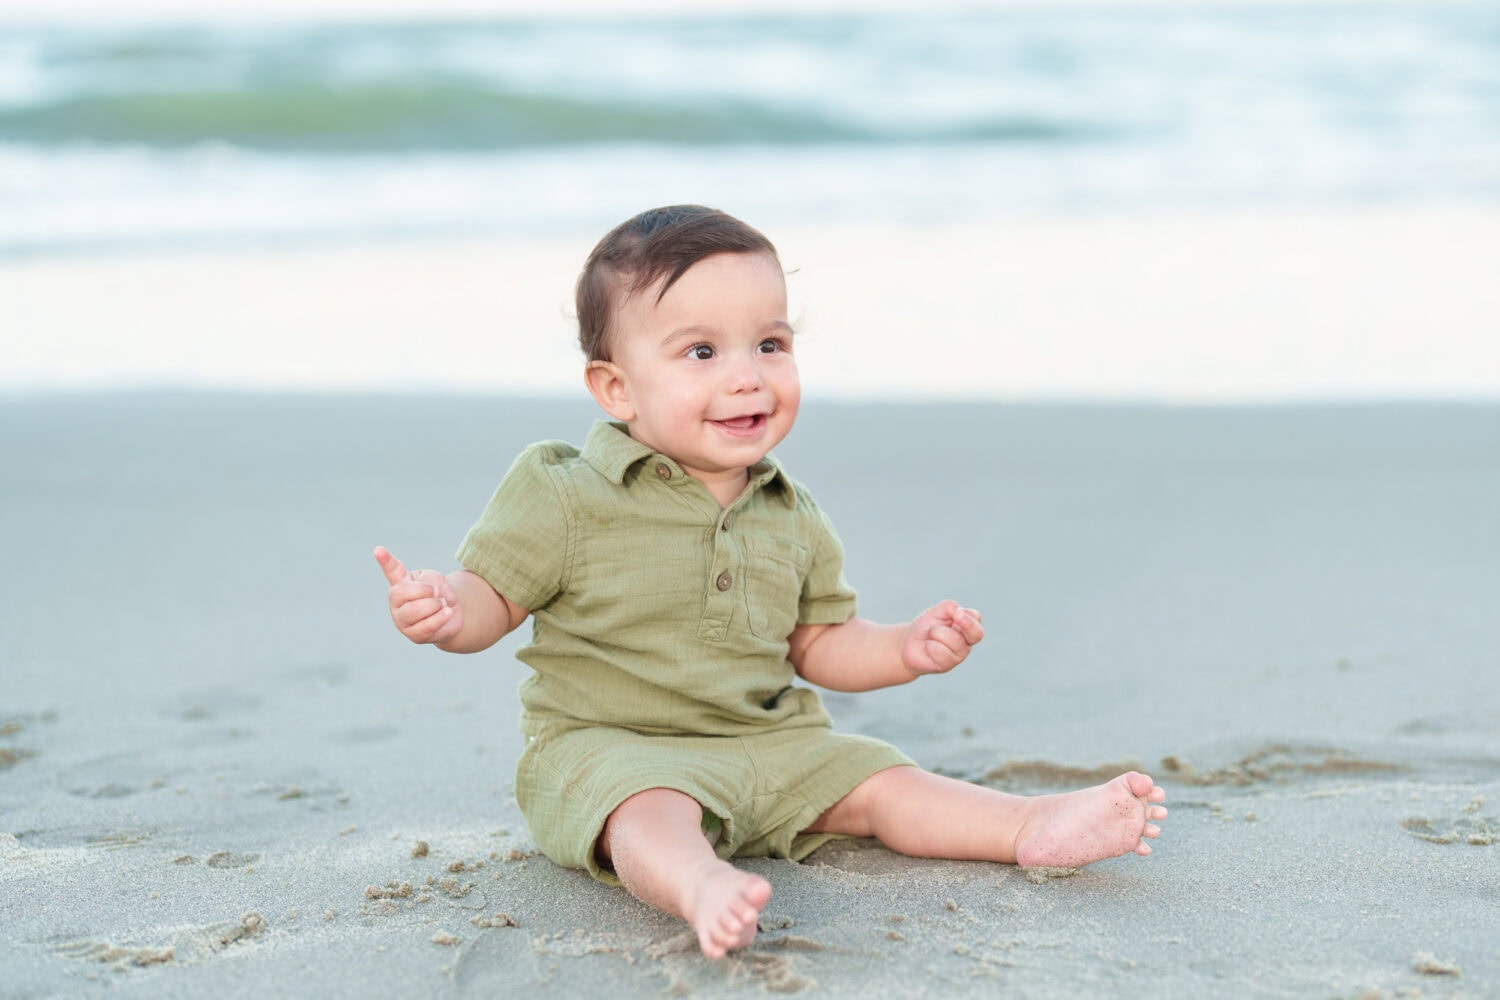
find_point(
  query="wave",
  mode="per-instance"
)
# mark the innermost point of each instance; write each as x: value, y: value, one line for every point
x: 397, y: 117
x: 1386, y: 71
x: 150, y: 136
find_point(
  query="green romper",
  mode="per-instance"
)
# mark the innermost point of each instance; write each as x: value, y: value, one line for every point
x: 659, y: 646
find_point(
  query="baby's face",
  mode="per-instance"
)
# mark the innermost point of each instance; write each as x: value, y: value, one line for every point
x: 709, y: 369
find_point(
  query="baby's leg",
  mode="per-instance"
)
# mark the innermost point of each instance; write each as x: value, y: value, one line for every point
x: 927, y: 815
x: 654, y: 841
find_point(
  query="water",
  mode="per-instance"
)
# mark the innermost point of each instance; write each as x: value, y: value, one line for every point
x: 128, y: 137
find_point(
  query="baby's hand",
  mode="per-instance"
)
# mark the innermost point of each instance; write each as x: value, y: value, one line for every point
x: 423, y: 604
x: 940, y: 638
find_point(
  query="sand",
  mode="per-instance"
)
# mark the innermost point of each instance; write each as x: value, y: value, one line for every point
x: 1286, y: 613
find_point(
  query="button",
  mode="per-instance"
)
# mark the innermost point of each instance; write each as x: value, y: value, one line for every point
x: 725, y: 525
x: 663, y: 471
x: 724, y: 581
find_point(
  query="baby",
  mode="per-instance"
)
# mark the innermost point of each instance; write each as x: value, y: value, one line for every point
x: 679, y: 582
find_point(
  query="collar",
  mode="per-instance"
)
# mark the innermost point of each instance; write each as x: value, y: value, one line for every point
x: 612, y: 452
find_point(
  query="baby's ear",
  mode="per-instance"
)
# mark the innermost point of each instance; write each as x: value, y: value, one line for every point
x: 610, y: 388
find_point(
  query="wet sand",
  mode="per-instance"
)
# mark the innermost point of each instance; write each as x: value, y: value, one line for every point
x: 222, y: 772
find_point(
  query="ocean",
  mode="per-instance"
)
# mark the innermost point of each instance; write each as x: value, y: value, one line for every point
x: 124, y: 137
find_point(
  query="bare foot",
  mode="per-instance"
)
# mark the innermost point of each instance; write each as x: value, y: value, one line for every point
x: 1079, y: 828
x: 724, y: 906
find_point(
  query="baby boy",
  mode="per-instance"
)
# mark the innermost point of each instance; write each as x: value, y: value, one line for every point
x: 679, y: 583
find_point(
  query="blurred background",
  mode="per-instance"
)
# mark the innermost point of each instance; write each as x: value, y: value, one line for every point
x: 1125, y: 152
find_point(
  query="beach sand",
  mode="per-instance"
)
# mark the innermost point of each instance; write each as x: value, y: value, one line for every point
x: 223, y: 773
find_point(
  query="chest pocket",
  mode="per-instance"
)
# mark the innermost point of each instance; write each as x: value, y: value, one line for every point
x: 773, y: 585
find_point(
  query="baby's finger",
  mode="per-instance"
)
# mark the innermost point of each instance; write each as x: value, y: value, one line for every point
x: 968, y: 623
x: 438, y: 627
x: 429, y: 629
x: 940, y: 656
x: 952, y: 639
x: 408, y: 591
x: 944, y: 610
x: 408, y: 615
x: 945, y: 646
x: 433, y: 580
x: 395, y: 571
x: 452, y: 625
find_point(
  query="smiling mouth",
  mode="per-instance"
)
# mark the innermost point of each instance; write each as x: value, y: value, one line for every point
x: 747, y: 426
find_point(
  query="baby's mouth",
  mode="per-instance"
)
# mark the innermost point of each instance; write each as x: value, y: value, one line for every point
x: 743, y: 425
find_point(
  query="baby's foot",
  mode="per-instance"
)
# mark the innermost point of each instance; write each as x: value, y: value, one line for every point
x: 726, y: 903
x: 1078, y: 828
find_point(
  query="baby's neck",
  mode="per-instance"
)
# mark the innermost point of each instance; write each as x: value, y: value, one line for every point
x: 725, y: 490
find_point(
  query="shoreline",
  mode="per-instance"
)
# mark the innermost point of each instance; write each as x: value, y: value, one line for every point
x: 1266, y: 307
x: 156, y: 394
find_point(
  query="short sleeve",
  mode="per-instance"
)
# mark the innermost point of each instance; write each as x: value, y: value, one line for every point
x: 827, y: 598
x: 519, y: 545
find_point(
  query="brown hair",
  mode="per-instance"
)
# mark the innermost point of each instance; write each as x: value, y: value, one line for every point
x: 660, y: 242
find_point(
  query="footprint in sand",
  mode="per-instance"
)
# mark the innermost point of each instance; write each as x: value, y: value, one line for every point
x: 312, y: 792
x: 187, y: 943
x: 775, y: 973
x: 229, y: 859
x: 1468, y: 827
x: 117, y: 955
x: 115, y: 776
x: 1275, y: 762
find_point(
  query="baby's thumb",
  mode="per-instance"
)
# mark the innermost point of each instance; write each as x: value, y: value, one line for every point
x: 394, y: 571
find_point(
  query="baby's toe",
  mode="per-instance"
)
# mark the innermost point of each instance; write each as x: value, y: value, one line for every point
x: 1143, y: 848
x: 1156, y: 812
x: 1152, y: 830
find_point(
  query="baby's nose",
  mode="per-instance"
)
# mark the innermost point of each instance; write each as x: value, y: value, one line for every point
x: 745, y: 375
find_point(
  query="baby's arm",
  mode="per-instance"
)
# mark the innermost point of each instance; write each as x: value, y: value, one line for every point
x: 860, y: 655
x: 457, y: 613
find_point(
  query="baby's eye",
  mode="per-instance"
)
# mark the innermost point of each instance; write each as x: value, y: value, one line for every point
x: 771, y: 345
x: 701, y: 352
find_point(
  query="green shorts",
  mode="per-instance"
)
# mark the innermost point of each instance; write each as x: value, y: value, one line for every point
x: 759, y: 793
